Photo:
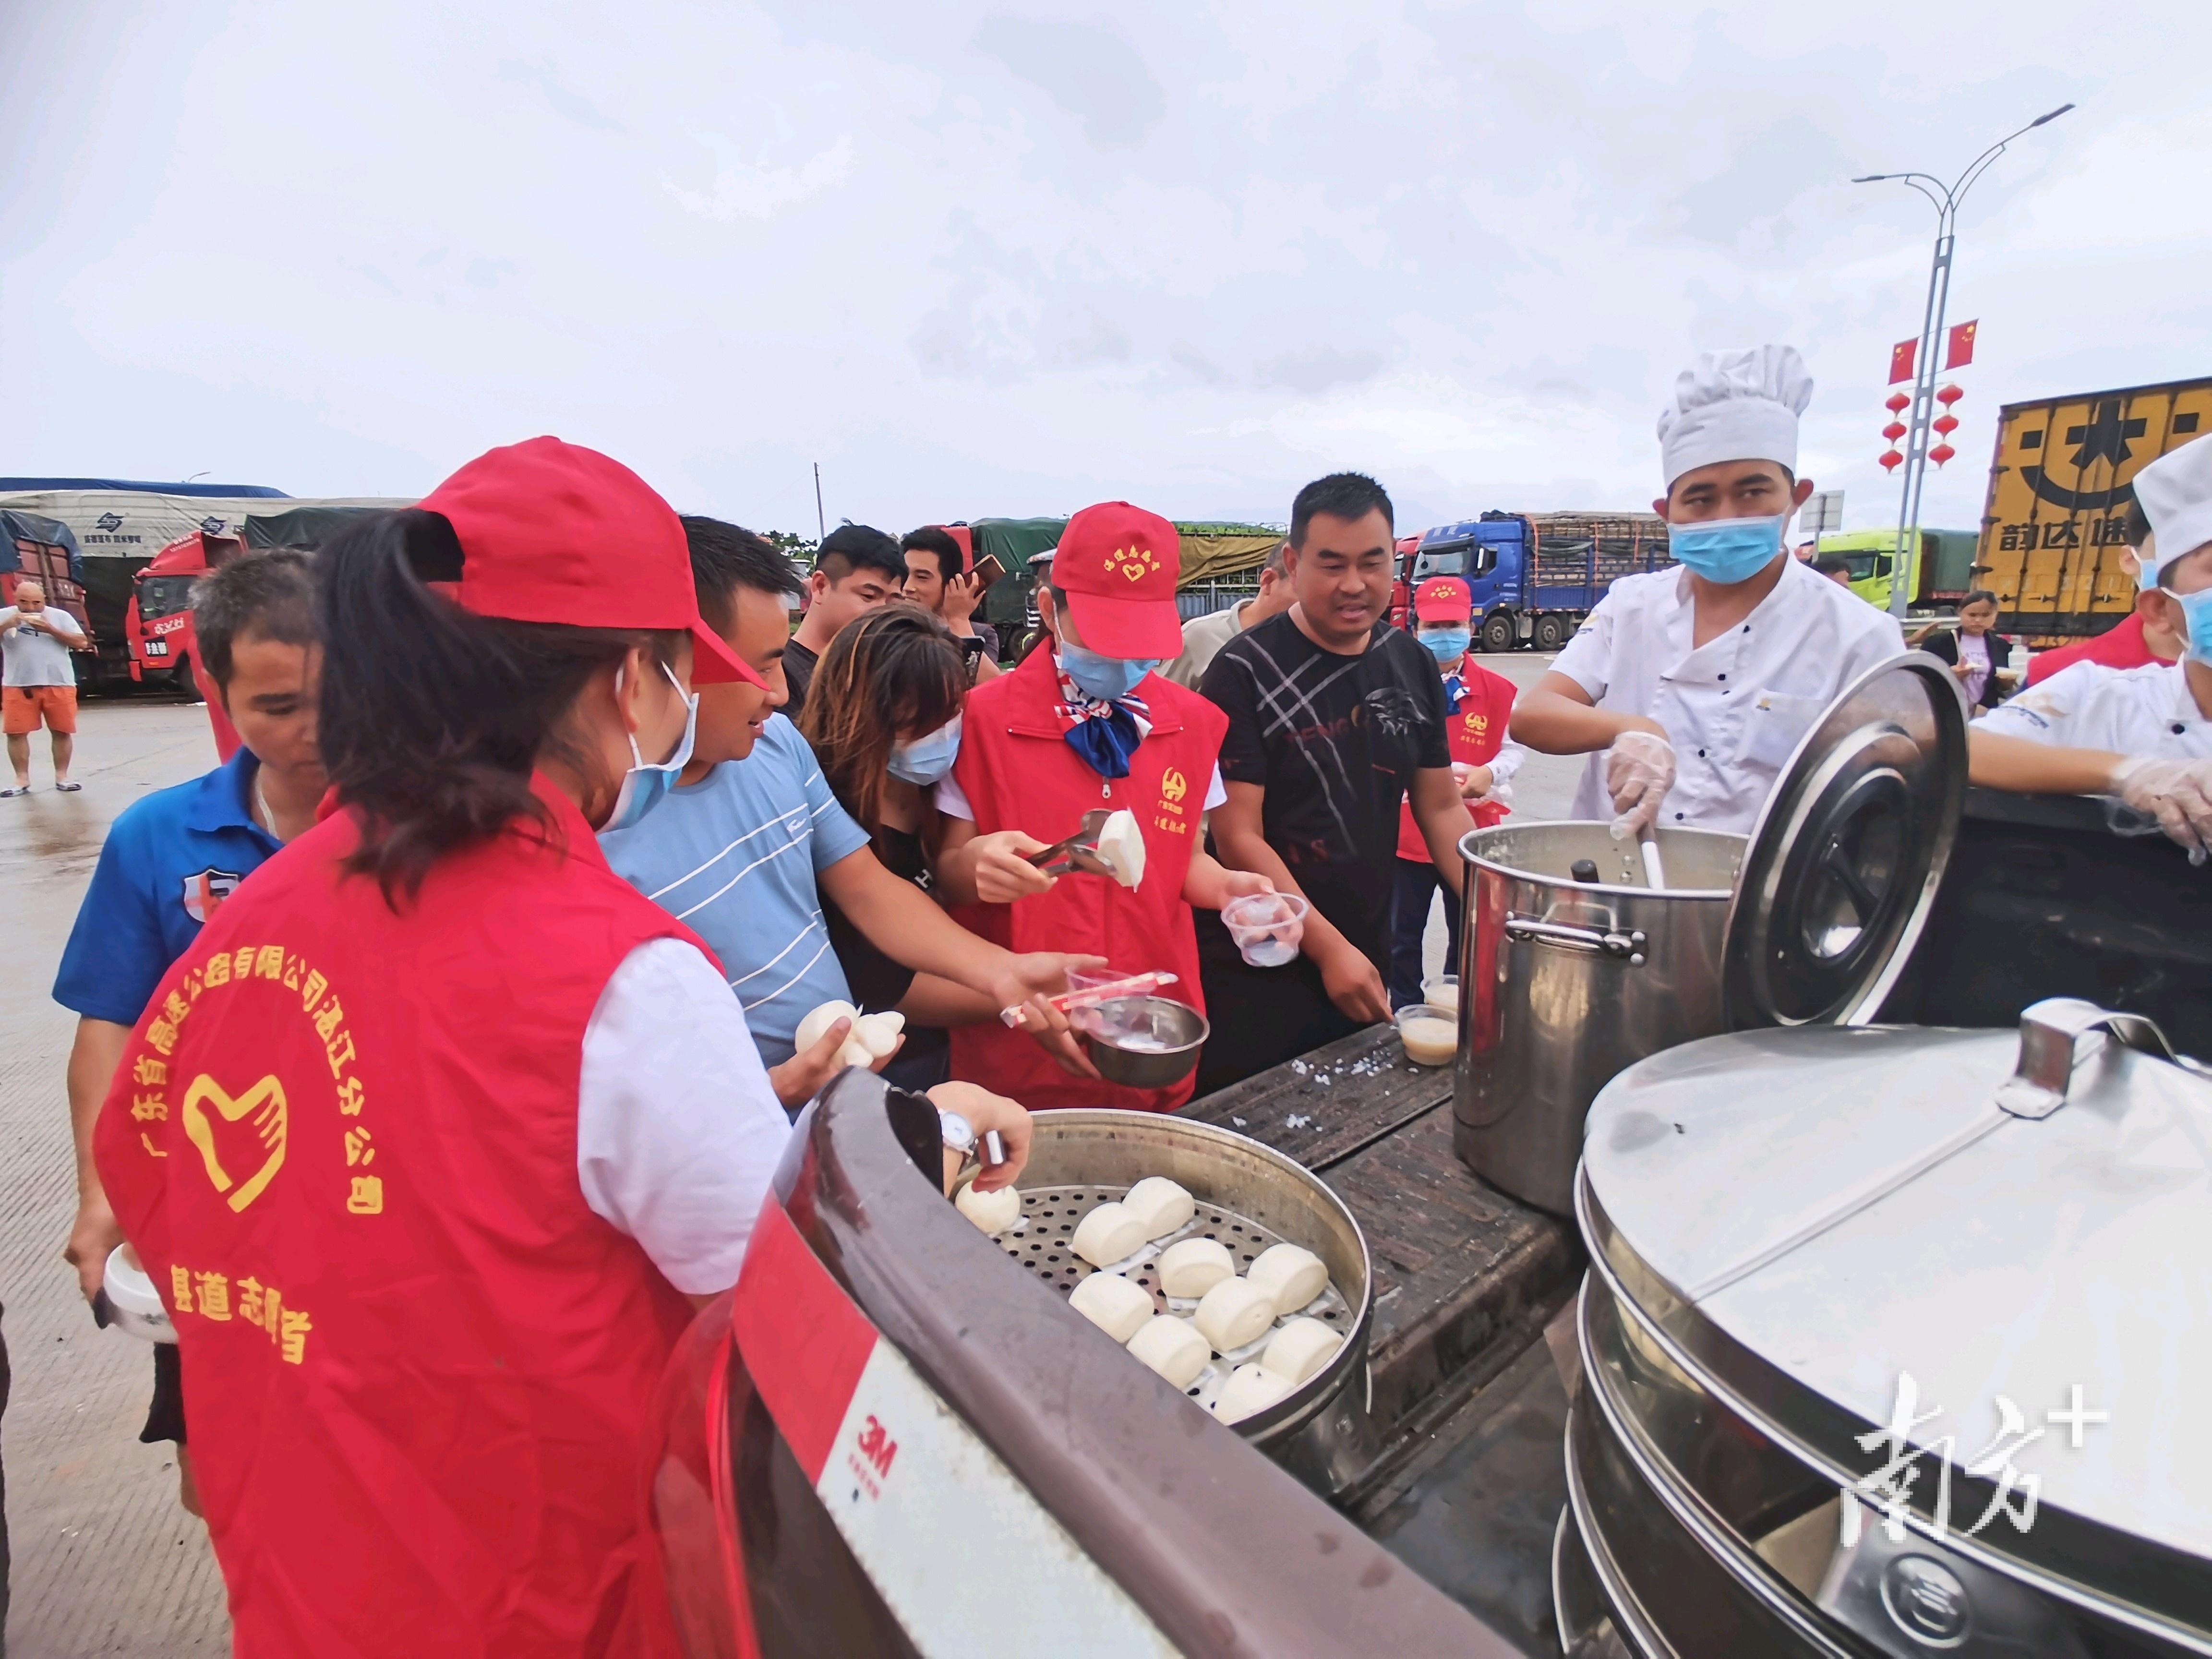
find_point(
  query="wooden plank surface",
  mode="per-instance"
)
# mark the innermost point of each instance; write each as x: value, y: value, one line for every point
x: 1464, y: 1275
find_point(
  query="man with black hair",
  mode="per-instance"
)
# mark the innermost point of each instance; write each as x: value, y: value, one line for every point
x: 745, y: 847
x: 171, y: 859
x: 939, y: 581
x: 1204, y: 636
x: 857, y: 568
x: 1335, y: 719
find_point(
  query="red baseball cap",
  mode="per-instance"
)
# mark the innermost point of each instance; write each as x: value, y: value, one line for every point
x: 1443, y: 598
x: 1118, y: 565
x: 553, y: 532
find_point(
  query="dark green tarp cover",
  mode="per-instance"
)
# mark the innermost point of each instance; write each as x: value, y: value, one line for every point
x: 302, y: 526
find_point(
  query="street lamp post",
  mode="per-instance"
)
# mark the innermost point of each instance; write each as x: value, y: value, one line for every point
x: 1946, y: 198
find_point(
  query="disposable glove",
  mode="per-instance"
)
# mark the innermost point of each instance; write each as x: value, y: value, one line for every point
x: 2177, y: 793
x: 1639, y: 770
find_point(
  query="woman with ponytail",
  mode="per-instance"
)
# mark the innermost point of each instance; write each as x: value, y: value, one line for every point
x: 439, y: 1133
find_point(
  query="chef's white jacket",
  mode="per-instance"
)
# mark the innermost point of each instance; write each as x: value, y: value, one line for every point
x: 2123, y: 711
x: 1735, y: 707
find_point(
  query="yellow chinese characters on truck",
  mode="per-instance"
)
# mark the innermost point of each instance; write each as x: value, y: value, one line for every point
x: 2059, y: 489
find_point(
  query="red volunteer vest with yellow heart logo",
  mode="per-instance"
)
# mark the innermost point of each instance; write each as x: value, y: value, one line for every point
x: 1475, y: 732
x: 418, y: 1369
x: 1020, y: 773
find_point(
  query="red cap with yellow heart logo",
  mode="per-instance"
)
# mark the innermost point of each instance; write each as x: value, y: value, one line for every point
x: 1118, y: 566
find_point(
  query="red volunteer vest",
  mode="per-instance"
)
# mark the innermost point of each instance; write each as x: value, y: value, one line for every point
x: 417, y: 1367
x: 1476, y: 732
x: 1020, y: 773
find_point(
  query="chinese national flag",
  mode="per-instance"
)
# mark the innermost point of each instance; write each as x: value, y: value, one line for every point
x: 1900, y: 360
x: 1960, y: 351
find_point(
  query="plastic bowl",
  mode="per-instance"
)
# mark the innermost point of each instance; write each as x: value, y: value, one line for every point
x: 1268, y: 928
x: 133, y: 1303
x: 1441, y: 992
x: 1145, y: 1043
x: 1425, y: 1044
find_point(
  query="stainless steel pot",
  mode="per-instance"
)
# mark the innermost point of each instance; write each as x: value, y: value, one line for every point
x: 1564, y: 984
x: 1565, y: 981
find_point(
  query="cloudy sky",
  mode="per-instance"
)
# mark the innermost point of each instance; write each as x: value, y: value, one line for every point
x: 993, y: 259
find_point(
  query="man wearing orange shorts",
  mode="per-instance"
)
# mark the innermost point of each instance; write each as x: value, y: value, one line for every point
x: 38, y: 685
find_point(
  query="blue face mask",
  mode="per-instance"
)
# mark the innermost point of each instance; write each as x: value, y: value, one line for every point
x: 2196, y: 616
x: 1446, y: 645
x: 925, y: 760
x: 1726, y: 550
x: 1108, y: 678
x: 646, y: 784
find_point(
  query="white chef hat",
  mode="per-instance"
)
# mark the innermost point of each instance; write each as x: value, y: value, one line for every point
x: 2175, y: 494
x: 1740, y: 405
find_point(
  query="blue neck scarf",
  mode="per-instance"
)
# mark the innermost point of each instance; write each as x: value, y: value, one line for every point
x: 1105, y: 734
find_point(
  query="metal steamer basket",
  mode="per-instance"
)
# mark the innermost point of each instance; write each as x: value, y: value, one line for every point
x: 1573, y: 967
x: 1249, y: 1197
x: 1799, y: 1239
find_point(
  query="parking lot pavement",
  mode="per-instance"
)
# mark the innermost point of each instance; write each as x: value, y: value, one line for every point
x: 105, y: 1560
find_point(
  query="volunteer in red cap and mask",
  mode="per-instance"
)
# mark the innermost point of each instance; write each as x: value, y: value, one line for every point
x: 439, y: 1130
x: 1084, y: 722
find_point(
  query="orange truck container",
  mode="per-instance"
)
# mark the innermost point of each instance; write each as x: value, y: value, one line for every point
x: 2059, y: 489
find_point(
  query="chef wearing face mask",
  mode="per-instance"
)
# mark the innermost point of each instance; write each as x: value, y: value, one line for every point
x: 2143, y: 734
x: 1688, y: 686
x: 438, y: 1132
x: 1085, y: 723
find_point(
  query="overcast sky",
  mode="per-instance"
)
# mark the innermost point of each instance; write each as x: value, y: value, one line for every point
x: 994, y: 259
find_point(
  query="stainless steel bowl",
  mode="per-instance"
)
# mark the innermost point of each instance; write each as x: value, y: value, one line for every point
x: 1172, y: 1033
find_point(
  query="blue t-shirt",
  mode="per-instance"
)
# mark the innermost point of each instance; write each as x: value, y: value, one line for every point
x: 169, y: 861
x: 734, y: 858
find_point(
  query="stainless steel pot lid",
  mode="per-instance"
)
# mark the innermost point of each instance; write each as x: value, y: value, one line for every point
x: 1844, y: 859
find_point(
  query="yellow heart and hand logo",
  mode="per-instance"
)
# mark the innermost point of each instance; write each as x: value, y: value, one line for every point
x: 1173, y: 785
x: 264, y: 1101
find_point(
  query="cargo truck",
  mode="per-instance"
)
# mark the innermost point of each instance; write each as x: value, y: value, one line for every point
x: 1536, y: 575
x: 1944, y: 567
x: 2060, y: 484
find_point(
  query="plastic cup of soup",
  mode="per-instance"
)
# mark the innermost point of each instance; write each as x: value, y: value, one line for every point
x: 1441, y: 992
x: 1268, y: 928
x: 1430, y: 1034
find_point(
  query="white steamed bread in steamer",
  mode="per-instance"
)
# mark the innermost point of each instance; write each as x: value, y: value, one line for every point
x: 1172, y: 1348
x: 1108, y: 1234
x: 1291, y: 1275
x: 1249, y: 1388
x: 1299, y: 1349
x: 1233, y: 1313
x: 1191, y: 1267
x: 992, y: 1212
x: 1162, y: 1205
x: 1116, y: 1305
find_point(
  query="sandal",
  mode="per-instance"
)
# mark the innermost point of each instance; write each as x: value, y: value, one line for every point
x: 69, y: 788
x: 9, y: 794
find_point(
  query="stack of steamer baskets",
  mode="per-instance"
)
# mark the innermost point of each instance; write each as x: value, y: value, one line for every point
x: 1249, y: 1197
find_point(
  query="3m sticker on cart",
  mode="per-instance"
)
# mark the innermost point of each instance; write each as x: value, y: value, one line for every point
x: 968, y: 1561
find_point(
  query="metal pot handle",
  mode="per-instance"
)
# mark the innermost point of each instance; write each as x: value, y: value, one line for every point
x: 2048, y: 1032
x: 1608, y: 942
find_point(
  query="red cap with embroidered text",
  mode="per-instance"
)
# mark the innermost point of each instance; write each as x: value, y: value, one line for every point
x: 1443, y: 598
x: 1118, y: 566
x: 553, y: 532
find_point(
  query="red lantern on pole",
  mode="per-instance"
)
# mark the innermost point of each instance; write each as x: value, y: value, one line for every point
x: 1949, y: 395
x: 1941, y: 453
x: 1945, y: 424
x: 1898, y: 403
x: 1891, y: 460
x: 1894, y: 431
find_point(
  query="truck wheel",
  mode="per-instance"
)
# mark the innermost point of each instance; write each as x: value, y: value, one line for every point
x: 1551, y: 633
x: 1497, y: 631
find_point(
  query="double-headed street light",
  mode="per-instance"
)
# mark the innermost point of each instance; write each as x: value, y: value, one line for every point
x: 1946, y: 198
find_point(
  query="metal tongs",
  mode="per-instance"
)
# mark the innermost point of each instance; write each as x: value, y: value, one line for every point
x: 1079, y: 851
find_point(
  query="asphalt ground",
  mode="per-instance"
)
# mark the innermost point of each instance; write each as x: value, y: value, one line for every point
x: 105, y: 1560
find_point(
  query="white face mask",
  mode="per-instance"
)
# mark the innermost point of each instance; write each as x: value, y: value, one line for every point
x: 648, y: 783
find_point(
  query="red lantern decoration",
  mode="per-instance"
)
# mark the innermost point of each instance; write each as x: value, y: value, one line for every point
x: 1945, y: 424
x: 1894, y: 431
x: 1949, y: 395
x: 1898, y: 402
x: 1891, y: 460
x: 1941, y: 453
